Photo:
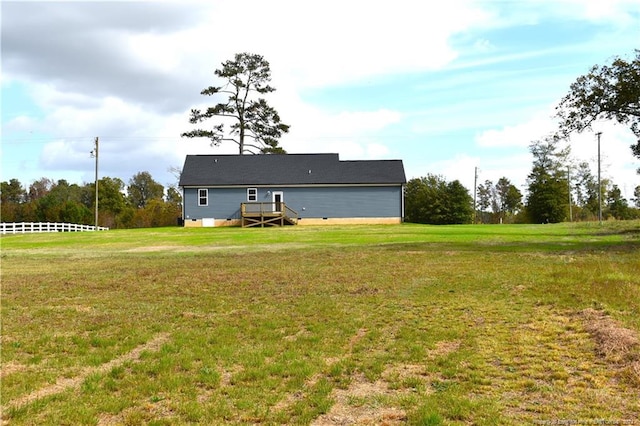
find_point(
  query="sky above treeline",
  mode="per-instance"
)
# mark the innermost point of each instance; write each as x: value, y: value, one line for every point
x: 447, y: 87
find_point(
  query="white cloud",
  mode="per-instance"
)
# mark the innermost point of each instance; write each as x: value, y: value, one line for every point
x: 337, y: 42
x: 21, y: 123
x: 462, y: 167
x: 64, y: 152
x: 484, y: 46
x: 519, y: 135
x: 617, y: 11
x: 350, y: 133
x: 376, y: 150
x: 617, y: 161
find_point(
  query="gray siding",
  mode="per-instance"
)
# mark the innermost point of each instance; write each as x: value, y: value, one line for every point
x: 224, y: 203
x: 309, y: 202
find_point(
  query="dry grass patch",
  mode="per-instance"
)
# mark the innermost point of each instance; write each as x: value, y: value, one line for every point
x: 226, y: 377
x: 144, y: 413
x: 616, y: 344
x: 444, y: 348
x: 553, y: 367
x: 366, y: 402
x: 65, y: 383
x: 378, y: 402
x: 362, y: 403
x: 303, y: 332
x: 11, y: 367
x: 293, y: 398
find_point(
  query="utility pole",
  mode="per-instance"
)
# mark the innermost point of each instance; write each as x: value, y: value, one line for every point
x: 569, y: 183
x: 94, y: 153
x: 599, y: 185
x: 475, y: 190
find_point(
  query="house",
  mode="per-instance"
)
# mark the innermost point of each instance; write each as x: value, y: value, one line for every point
x: 304, y: 189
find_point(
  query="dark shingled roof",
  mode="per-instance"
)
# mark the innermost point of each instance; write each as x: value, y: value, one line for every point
x: 288, y: 169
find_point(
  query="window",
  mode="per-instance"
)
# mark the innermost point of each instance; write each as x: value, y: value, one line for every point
x: 203, y: 197
x: 252, y: 194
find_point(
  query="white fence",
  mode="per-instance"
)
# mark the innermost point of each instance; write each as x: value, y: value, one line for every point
x: 29, y: 227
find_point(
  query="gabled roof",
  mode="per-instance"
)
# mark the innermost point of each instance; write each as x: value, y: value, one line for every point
x: 287, y: 169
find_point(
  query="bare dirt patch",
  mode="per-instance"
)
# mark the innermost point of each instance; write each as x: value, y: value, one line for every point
x: 300, y: 333
x: 10, y: 368
x: 356, y: 338
x: 62, y: 384
x: 362, y: 404
x: 444, y: 348
x: 292, y: 398
x: 83, y: 309
x: 226, y: 376
x: 160, y: 410
x: 372, y: 403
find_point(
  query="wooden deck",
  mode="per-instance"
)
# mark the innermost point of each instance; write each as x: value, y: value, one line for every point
x: 267, y: 214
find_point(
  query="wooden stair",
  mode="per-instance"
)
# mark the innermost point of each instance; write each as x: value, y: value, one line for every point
x: 267, y: 214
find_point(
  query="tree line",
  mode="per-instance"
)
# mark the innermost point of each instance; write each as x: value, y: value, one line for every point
x: 558, y: 190
x: 142, y: 203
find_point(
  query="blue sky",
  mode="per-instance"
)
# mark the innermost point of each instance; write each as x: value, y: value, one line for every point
x: 444, y: 86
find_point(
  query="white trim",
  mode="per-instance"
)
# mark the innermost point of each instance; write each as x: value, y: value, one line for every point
x: 206, y: 197
x: 273, y: 199
x: 255, y: 196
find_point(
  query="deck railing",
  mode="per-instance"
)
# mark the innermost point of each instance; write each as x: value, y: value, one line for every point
x: 271, y: 209
x: 34, y: 227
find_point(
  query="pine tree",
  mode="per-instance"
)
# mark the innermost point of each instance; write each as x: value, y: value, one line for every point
x: 254, y: 125
x: 548, y: 199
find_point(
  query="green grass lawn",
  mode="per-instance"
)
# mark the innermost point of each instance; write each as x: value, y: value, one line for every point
x: 391, y: 324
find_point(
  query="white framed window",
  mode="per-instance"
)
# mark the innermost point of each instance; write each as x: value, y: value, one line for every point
x: 252, y: 194
x: 203, y: 197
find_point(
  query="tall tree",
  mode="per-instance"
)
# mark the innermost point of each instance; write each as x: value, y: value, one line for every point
x: 112, y: 201
x: 636, y: 194
x: 548, y: 198
x: 173, y: 196
x: 12, y: 191
x: 142, y: 189
x: 12, y: 194
x: 255, y: 126
x: 509, y: 197
x: 39, y: 188
x: 585, y: 190
x: 433, y: 200
x: 484, y: 192
x: 609, y: 91
x: 503, y: 198
x: 63, y: 203
x: 459, y: 203
x: 617, y: 206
